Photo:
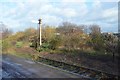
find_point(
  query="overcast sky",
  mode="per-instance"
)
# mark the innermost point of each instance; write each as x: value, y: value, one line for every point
x: 21, y: 14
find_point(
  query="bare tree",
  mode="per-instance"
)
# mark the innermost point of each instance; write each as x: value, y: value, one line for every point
x: 95, y: 29
x: 96, y: 38
x: 4, y: 31
x: 67, y: 28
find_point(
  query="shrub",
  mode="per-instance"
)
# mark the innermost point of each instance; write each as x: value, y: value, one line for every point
x: 6, y: 45
x: 19, y: 44
x: 46, y: 45
x: 55, y: 43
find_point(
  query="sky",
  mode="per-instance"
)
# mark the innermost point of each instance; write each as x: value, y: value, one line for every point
x: 21, y: 14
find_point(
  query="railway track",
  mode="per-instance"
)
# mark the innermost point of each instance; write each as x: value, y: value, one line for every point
x: 92, y: 74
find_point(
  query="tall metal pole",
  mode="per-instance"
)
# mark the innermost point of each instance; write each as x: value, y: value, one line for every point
x: 40, y: 39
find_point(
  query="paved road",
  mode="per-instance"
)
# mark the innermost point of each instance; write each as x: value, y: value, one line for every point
x: 14, y: 67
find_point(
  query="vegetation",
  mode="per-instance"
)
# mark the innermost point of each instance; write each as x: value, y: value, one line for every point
x: 67, y: 37
x: 70, y: 37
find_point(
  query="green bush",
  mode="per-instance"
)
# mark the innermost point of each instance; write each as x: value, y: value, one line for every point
x: 19, y: 44
x: 55, y: 43
x: 44, y: 47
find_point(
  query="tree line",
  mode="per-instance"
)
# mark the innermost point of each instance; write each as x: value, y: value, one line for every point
x: 67, y: 36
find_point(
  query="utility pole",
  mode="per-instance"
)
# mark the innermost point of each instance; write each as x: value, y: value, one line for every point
x: 40, y: 39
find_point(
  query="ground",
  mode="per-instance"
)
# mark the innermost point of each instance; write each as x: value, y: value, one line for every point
x: 15, y: 67
x: 104, y: 63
